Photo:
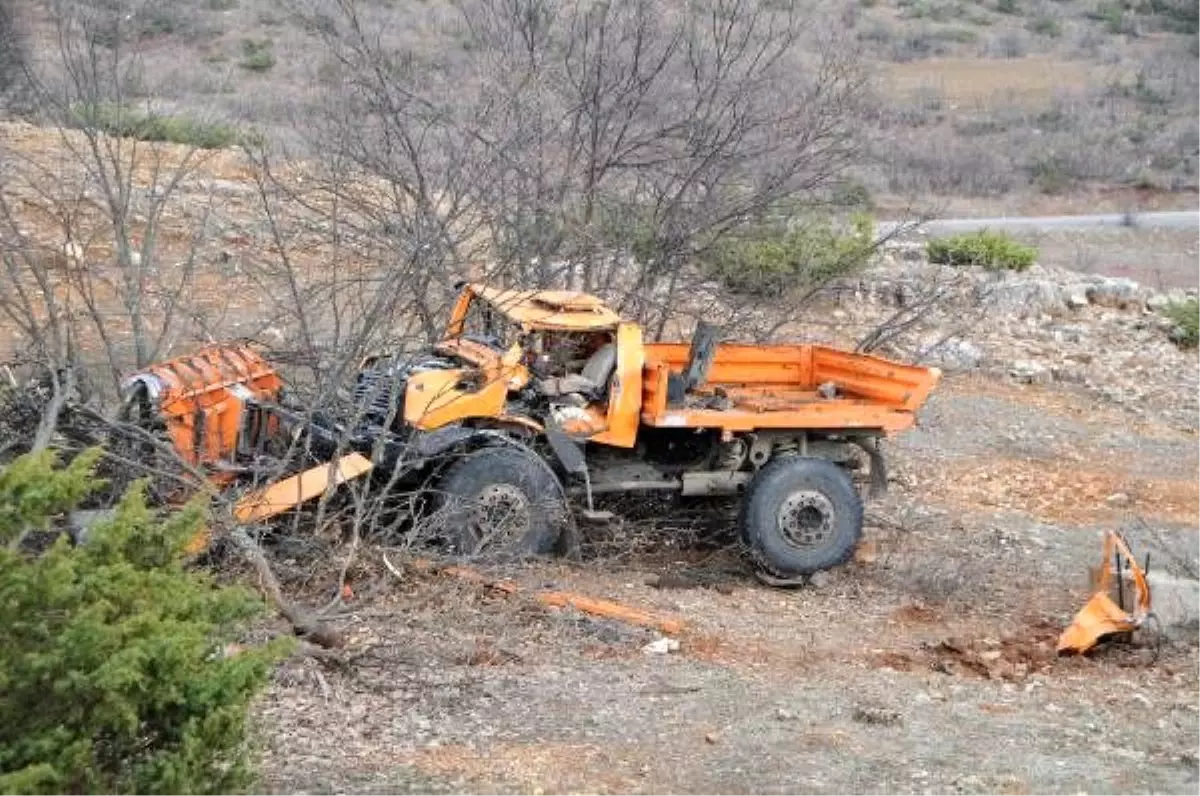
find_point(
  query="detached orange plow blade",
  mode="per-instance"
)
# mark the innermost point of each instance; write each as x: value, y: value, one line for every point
x: 1101, y: 616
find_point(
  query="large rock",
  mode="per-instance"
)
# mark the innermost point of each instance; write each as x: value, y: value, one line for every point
x: 954, y: 354
x: 1118, y: 292
x: 1024, y: 298
x: 1077, y: 296
x: 1027, y: 371
x: 1176, y: 601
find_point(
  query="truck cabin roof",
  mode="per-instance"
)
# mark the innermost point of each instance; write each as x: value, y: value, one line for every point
x: 558, y: 310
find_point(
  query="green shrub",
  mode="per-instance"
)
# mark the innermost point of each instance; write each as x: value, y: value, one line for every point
x: 13, y: 46
x: 257, y: 55
x: 853, y: 194
x: 1186, y: 316
x: 773, y: 257
x: 915, y: 45
x: 1045, y: 26
x: 925, y: 9
x: 1115, y: 18
x: 959, y: 35
x: 1055, y: 120
x: 113, y: 677
x: 878, y: 32
x: 1051, y: 174
x: 126, y: 122
x: 992, y: 250
x: 158, y: 21
x: 1011, y: 7
x: 1180, y: 16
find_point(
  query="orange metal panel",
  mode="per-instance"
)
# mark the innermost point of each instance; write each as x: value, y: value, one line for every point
x: 807, y: 379
x: 434, y: 399
x: 740, y: 364
x: 283, y: 495
x: 625, y: 397
x: 829, y: 415
x: 476, y: 353
x: 458, y: 315
x: 875, y: 378
x: 654, y: 389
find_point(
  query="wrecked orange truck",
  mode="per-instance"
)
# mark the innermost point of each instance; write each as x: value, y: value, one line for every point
x: 534, y: 396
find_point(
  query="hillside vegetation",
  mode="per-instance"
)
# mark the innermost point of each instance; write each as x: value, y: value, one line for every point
x: 985, y: 99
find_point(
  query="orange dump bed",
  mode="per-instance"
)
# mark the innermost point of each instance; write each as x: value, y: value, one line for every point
x: 752, y: 386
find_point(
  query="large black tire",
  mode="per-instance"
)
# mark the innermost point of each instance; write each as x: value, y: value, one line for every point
x: 800, y: 516
x: 502, y: 502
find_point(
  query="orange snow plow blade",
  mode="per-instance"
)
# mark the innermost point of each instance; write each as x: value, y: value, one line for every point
x: 283, y: 495
x: 1101, y: 616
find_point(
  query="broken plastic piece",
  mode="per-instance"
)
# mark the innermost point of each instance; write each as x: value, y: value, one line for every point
x: 1101, y: 617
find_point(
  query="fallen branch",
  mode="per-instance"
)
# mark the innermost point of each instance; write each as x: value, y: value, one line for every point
x: 304, y: 623
x: 558, y: 599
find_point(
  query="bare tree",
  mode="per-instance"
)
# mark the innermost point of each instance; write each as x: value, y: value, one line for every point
x: 93, y: 282
x: 593, y: 145
x: 12, y: 48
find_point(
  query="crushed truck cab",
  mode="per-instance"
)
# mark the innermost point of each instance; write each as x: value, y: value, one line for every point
x: 532, y: 395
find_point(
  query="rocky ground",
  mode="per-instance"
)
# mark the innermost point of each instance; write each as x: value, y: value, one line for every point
x: 926, y: 665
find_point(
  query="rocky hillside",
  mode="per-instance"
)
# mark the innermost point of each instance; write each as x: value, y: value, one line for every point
x: 1107, y: 336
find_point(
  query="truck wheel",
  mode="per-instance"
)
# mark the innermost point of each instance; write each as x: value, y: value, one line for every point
x: 502, y: 502
x: 800, y: 516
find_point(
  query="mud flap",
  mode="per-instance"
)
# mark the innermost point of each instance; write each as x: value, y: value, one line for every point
x: 570, y: 456
x: 879, y: 479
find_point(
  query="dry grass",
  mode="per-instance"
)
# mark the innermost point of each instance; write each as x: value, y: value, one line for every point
x: 1050, y: 98
x: 1036, y: 79
x: 983, y: 66
x: 1029, y: 202
x: 1158, y: 258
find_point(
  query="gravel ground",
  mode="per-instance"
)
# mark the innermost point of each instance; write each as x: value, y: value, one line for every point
x: 926, y: 666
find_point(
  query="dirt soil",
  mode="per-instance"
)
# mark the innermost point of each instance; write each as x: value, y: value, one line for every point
x: 927, y: 665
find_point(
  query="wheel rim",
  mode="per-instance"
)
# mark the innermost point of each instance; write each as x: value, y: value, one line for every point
x: 501, y: 515
x: 806, y: 519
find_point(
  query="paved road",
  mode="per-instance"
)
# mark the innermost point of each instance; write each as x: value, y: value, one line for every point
x: 1180, y: 219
